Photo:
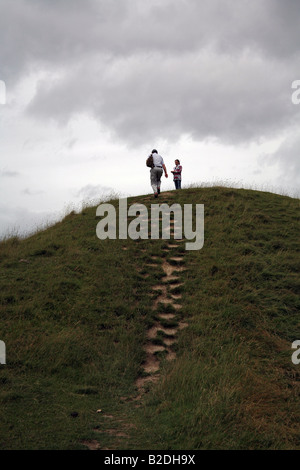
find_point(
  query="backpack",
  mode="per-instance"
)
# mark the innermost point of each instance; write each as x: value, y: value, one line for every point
x: 149, y: 161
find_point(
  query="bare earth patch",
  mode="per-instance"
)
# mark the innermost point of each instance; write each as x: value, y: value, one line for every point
x: 151, y: 365
x: 167, y: 337
x: 92, y: 445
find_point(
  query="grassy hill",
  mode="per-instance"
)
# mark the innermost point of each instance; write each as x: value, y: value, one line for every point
x: 76, y: 315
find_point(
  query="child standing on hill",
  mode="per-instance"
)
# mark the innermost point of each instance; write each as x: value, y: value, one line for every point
x: 177, y: 174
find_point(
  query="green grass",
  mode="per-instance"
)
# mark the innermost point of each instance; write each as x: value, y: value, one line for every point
x: 74, y: 313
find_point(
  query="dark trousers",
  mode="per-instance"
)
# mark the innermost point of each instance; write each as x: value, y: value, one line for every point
x: 177, y: 184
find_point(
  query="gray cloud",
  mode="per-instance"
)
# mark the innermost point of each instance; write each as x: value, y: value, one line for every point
x: 219, y: 69
x: 287, y: 158
x: 155, y: 49
x: 53, y: 32
x: 9, y: 173
x: 160, y: 69
x: 92, y: 192
x: 30, y: 192
x: 205, y: 95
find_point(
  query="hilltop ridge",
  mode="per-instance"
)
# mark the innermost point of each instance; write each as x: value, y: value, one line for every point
x: 76, y: 311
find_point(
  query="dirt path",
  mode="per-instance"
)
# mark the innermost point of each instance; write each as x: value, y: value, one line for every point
x: 159, y: 339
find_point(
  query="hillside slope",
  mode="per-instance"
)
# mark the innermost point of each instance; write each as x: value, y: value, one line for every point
x: 76, y: 311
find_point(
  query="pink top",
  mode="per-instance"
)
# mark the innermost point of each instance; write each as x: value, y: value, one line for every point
x: 177, y: 172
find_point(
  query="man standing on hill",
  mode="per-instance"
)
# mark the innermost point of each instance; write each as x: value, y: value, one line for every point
x: 157, y: 171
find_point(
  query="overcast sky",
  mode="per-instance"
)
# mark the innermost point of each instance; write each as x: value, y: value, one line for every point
x: 92, y: 86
